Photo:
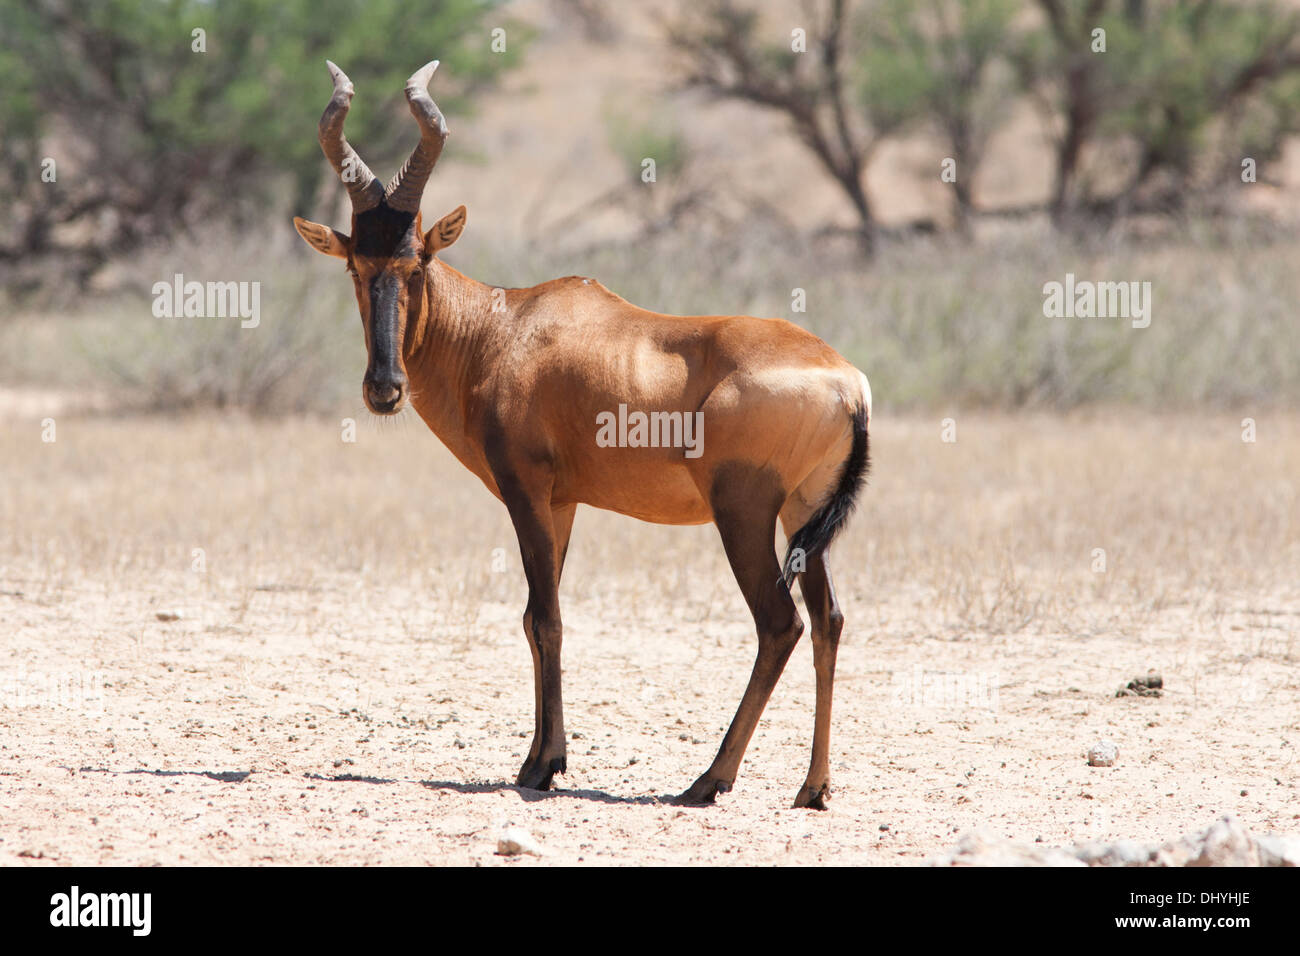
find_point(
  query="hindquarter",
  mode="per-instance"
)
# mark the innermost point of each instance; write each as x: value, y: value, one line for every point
x: 639, y: 413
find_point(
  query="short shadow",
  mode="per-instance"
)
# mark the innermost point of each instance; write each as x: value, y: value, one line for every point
x: 347, y: 778
x: 525, y: 794
x: 534, y: 796
x: 222, y: 776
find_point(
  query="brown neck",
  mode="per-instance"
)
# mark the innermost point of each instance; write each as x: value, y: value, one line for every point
x: 454, y: 338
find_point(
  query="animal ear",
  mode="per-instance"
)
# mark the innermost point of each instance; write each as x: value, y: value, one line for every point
x: 323, y: 238
x: 445, y: 231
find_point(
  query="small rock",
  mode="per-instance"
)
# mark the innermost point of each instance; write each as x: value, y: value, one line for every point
x: 514, y: 842
x: 1278, y: 849
x: 1121, y: 853
x: 1103, y: 753
x: 168, y: 615
x: 1225, y: 843
x: 977, y: 849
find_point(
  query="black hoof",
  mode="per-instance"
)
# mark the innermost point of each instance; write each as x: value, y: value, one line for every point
x: 703, y: 792
x: 813, y: 798
x: 538, y: 776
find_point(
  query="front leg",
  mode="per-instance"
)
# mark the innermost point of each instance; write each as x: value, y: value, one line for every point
x: 543, y: 535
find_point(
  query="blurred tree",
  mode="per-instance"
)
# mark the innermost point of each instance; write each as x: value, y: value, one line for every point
x: 1173, y: 74
x: 155, y: 128
x: 1070, y: 82
x: 1197, y: 66
x: 941, y: 64
x: 1149, y: 101
x: 898, y: 64
x: 725, y: 54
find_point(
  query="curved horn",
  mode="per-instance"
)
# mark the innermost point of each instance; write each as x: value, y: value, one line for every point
x: 404, y: 191
x: 365, y: 190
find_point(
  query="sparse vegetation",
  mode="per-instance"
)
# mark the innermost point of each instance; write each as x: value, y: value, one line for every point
x: 938, y: 324
x: 1149, y: 103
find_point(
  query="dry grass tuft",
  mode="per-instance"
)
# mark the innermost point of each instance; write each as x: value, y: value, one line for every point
x: 997, y: 530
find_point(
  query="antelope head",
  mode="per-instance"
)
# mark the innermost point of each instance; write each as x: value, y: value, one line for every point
x: 386, y: 252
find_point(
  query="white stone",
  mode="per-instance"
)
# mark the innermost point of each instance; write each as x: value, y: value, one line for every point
x: 1103, y: 753
x: 514, y: 842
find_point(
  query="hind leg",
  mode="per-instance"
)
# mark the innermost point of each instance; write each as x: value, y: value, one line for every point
x: 827, y: 623
x: 745, y: 507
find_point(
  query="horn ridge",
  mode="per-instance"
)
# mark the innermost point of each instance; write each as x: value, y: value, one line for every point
x: 363, y: 188
x: 406, y: 188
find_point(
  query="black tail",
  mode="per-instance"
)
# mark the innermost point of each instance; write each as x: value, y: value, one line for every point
x: 826, y: 522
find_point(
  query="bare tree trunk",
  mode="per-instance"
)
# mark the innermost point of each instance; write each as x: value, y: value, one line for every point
x: 727, y: 60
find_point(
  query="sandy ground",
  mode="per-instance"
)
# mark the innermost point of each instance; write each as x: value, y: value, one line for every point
x: 348, y: 683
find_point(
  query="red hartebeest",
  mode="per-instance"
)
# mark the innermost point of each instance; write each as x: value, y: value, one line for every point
x: 519, y: 383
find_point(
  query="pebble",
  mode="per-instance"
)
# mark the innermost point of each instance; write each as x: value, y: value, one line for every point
x: 515, y: 842
x: 1103, y: 753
